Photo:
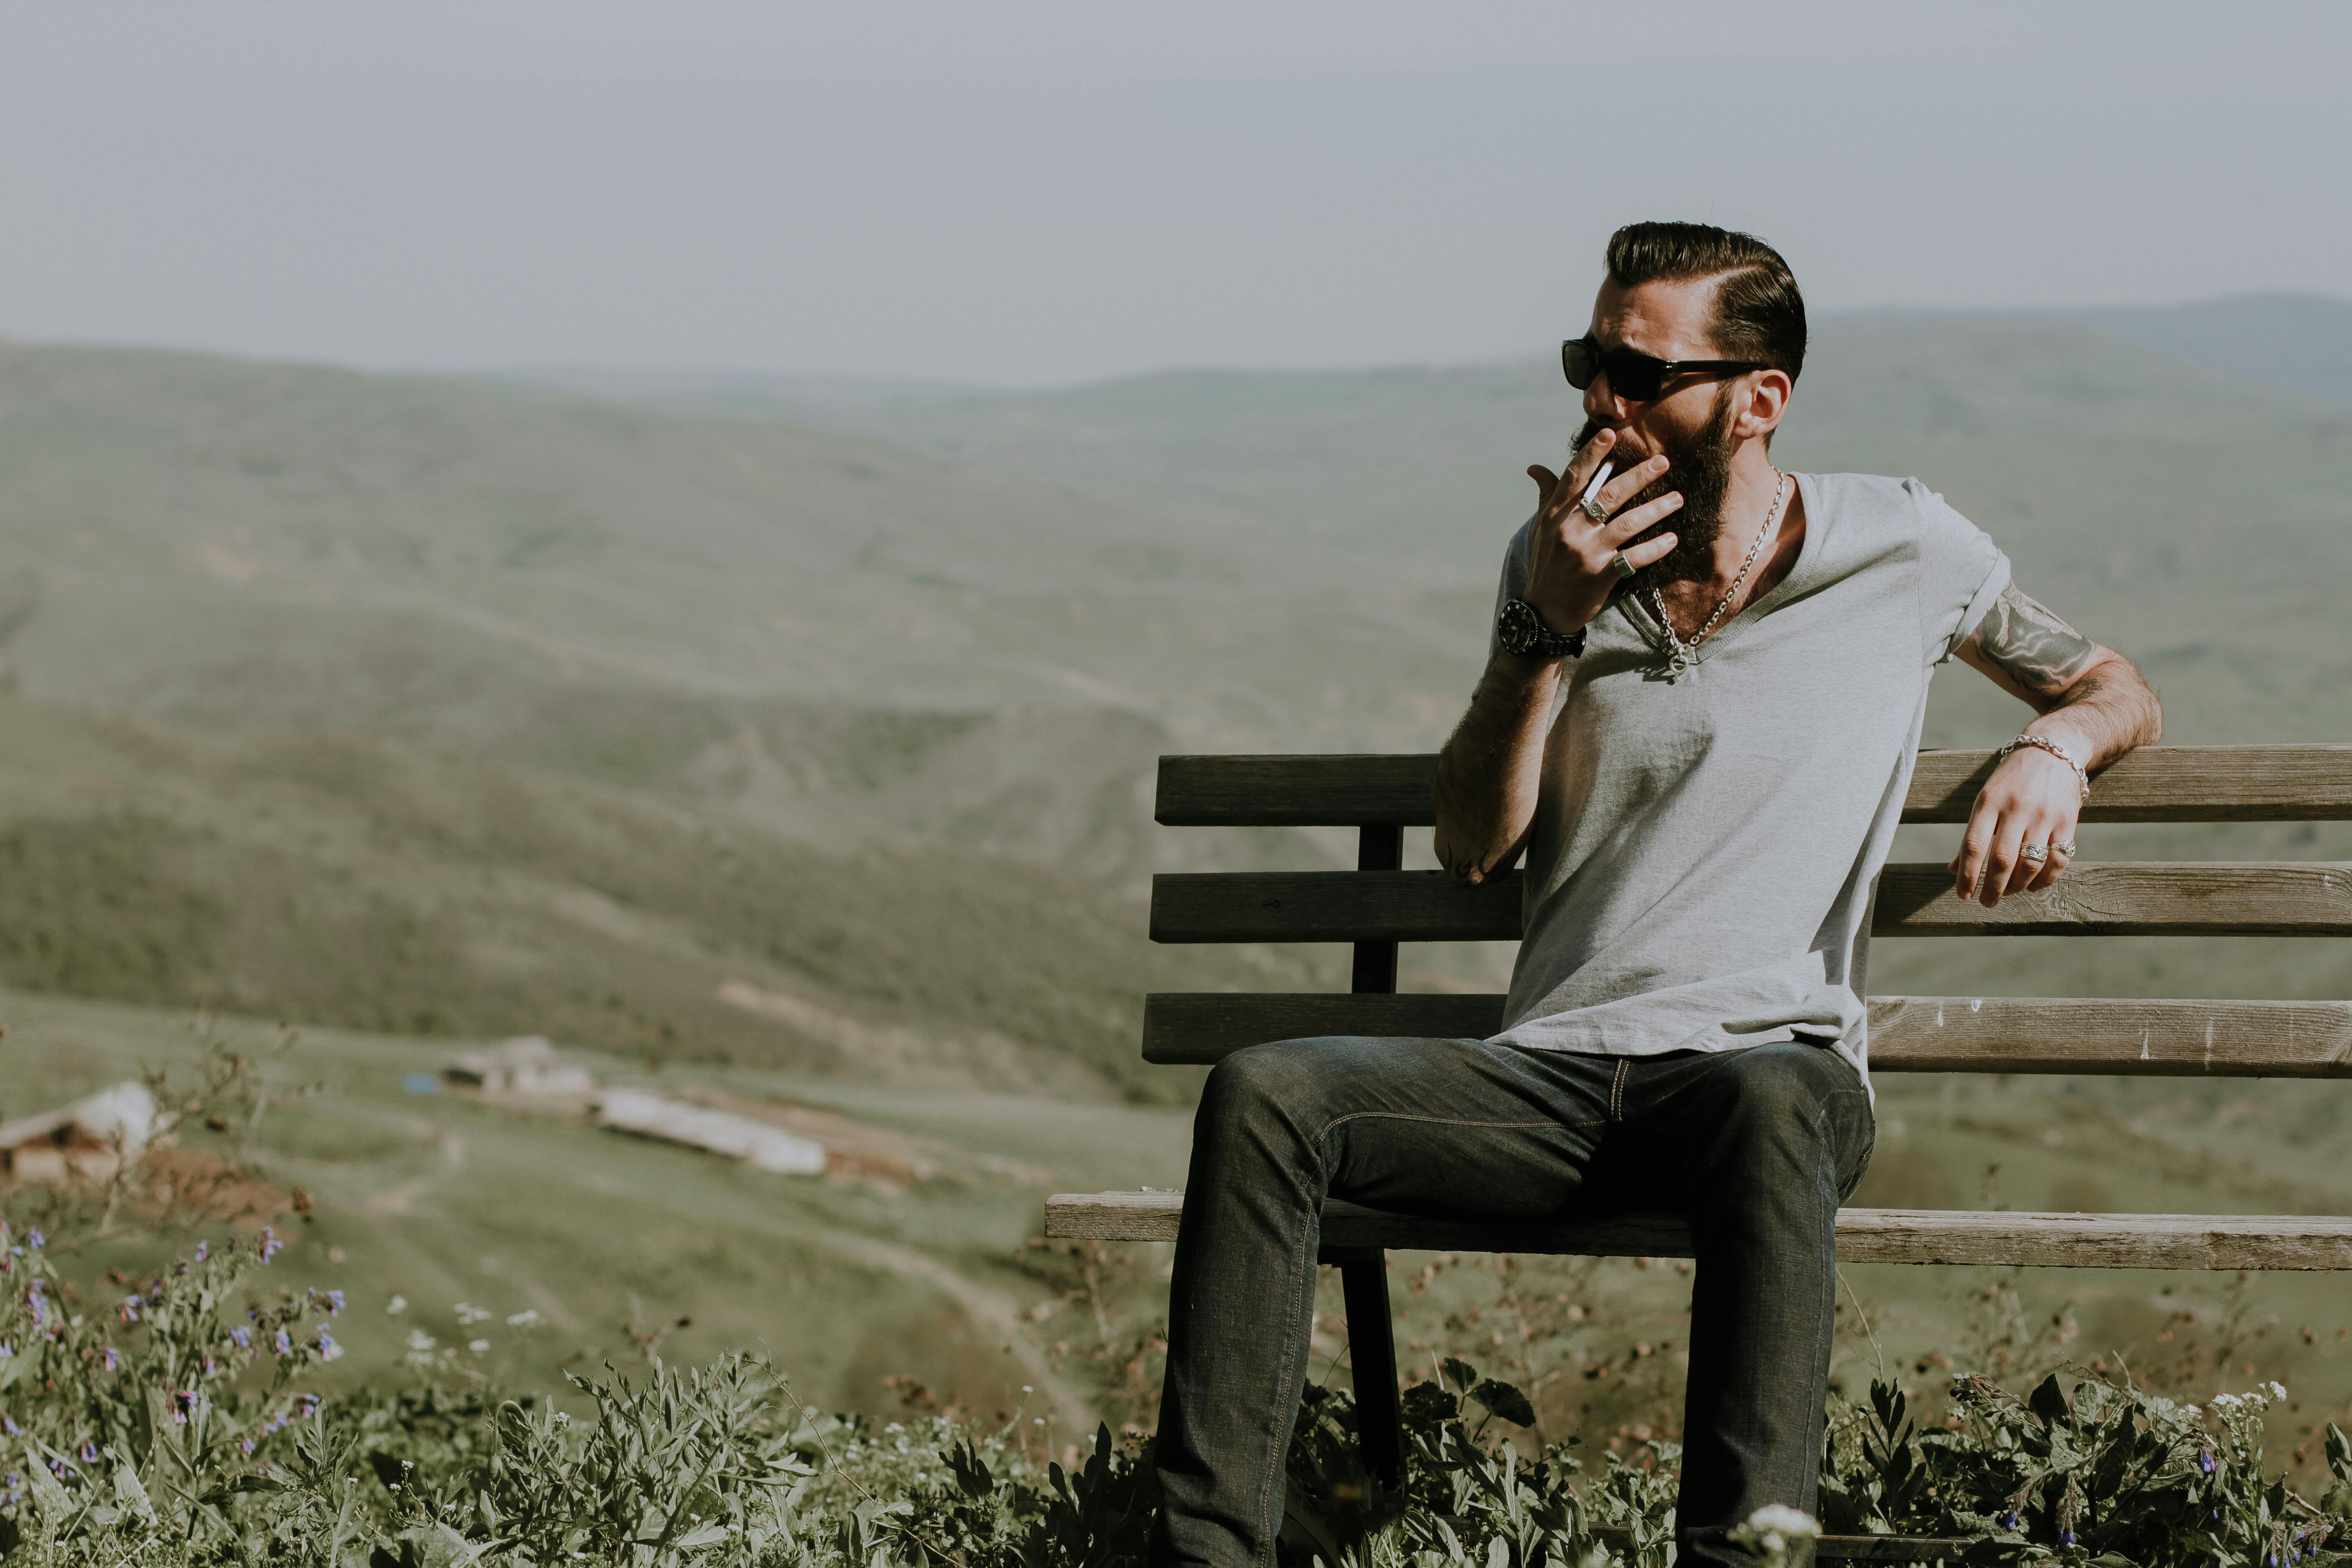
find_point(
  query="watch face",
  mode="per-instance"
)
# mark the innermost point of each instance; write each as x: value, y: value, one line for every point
x: 1517, y: 628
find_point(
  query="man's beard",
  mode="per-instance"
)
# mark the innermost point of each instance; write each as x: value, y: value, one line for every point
x: 1699, y: 466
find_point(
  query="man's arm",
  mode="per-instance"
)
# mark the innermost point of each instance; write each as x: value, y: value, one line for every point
x: 1491, y: 770
x: 2091, y: 699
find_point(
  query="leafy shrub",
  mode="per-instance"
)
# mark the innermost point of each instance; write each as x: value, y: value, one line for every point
x: 170, y: 1426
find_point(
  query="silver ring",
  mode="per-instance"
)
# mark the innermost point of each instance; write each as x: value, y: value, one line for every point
x: 1624, y: 568
x: 1591, y: 505
x: 2065, y: 849
x: 2034, y: 852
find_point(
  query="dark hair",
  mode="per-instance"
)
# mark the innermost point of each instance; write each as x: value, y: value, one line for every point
x: 1758, y: 313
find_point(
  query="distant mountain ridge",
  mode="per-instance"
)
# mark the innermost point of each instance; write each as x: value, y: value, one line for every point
x: 2285, y: 344
x: 2296, y: 345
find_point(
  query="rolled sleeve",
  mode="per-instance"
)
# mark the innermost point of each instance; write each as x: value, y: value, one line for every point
x: 1961, y: 573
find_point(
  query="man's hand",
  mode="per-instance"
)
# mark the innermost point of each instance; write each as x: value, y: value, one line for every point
x: 2032, y: 798
x: 1570, y: 570
x: 2092, y: 702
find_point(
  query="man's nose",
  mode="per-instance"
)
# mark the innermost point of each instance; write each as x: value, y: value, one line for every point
x: 1602, y: 403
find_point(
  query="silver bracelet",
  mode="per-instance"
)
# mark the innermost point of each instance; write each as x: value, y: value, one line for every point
x: 2055, y: 750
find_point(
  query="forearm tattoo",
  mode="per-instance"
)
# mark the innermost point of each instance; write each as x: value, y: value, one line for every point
x: 2042, y: 652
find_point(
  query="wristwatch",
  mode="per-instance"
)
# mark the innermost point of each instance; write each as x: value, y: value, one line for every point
x: 1522, y: 631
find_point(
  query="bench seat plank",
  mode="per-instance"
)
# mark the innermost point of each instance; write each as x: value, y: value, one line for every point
x: 1908, y: 1034
x: 2124, y: 898
x: 2155, y: 784
x: 1864, y: 1236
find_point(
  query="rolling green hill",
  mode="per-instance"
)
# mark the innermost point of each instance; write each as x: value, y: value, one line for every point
x: 452, y: 706
x: 812, y: 757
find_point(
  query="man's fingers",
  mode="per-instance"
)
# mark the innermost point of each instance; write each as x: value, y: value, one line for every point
x: 1585, y: 461
x: 1547, y: 484
x: 2052, y: 870
x: 1625, y: 525
x: 2001, y: 862
x: 1976, y: 845
x: 1624, y: 487
x: 1649, y: 550
x: 2022, y: 875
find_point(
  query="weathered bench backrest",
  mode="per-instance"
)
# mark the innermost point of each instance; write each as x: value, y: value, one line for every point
x: 1378, y: 905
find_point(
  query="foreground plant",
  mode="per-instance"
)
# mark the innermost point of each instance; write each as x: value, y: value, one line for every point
x: 167, y: 1425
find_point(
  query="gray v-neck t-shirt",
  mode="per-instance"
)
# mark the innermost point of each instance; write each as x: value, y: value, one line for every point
x: 1705, y: 851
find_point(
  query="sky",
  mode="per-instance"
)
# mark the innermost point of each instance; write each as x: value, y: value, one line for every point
x: 1031, y: 192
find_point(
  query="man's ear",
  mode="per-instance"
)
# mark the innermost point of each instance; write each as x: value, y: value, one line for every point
x: 1763, y: 403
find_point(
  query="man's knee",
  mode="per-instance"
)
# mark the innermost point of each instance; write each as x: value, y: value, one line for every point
x: 1797, y: 1097
x: 1277, y: 1083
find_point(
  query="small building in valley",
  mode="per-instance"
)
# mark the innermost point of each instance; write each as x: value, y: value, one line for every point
x: 528, y: 1065
x: 87, y: 1141
x: 758, y: 1144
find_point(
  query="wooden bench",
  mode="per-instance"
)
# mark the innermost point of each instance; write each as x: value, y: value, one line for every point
x: 1378, y: 905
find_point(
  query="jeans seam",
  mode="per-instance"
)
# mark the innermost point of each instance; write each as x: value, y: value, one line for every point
x: 1431, y: 1120
x: 1277, y: 1455
x: 1617, y: 1089
x: 1822, y: 1132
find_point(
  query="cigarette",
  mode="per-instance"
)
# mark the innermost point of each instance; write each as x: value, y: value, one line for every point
x: 1599, y: 479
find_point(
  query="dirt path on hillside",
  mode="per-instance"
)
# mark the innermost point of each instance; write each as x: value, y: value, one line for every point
x: 990, y: 1309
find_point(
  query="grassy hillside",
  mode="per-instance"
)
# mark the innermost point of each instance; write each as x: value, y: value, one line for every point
x: 367, y: 882
x: 815, y: 764
x: 451, y: 706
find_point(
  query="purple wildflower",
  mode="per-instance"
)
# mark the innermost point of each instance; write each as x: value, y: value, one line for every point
x: 32, y: 1239
x: 88, y: 1455
x: 241, y: 1336
x: 282, y: 1342
x: 8, y: 1425
x: 203, y: 1250
x: 269, y: 1244
x: 113, y: 1357
x: 130, y: 1308
x: 247, y: 1445
x: 2208, y: 1463
x: 328, y: 1349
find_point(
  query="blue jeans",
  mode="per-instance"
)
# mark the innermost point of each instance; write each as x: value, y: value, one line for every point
x: 1757, y: 1147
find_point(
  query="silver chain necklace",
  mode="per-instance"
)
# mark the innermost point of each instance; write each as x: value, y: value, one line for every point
x: 1678, y: 662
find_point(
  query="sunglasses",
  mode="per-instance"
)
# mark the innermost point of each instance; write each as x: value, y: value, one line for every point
x: 1637, y: 377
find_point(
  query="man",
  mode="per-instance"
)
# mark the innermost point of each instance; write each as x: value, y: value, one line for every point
x: 1698, y: 721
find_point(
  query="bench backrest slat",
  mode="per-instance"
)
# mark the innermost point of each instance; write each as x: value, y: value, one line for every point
x: 2156, y: 783
x: 2127, y: 897
x: 1908, y: 1034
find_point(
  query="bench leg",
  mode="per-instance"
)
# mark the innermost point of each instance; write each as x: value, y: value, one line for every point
x: 1364, y: 1272
x: 1372, y: 1352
